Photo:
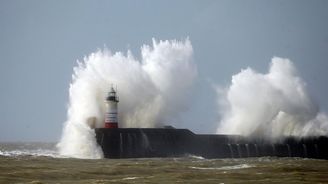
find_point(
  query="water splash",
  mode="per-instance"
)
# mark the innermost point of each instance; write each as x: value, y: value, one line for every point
x: 270, y: 105
x: 152, y: 91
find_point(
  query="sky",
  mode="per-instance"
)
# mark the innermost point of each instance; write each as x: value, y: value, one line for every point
x: 41, y: 40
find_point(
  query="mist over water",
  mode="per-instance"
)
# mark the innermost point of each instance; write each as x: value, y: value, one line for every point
x: 152, y: 92
x: 270, y: 105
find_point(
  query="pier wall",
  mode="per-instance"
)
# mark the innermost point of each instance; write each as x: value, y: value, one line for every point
x: 153, y: 142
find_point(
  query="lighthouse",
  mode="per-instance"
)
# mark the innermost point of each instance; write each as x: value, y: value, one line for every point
x: 111, y: 118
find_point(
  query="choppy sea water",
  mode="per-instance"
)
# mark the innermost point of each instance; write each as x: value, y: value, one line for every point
x: 40, y: 163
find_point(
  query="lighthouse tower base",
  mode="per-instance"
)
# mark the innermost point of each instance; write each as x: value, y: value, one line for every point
x: 111, y: 125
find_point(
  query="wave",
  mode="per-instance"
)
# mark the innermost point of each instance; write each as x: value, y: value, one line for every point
x: 16, y: 149
x: 25, y: 152
x: 233, y: 167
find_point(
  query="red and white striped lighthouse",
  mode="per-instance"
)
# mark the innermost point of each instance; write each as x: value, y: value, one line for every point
x: 111, y: 118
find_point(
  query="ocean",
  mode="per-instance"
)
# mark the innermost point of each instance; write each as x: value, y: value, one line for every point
x: 40, y: 163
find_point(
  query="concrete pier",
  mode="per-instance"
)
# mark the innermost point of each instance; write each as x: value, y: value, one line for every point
x: 161, y: 142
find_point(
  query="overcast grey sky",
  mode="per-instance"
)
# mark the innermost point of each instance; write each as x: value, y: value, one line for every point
x: 40, y: 42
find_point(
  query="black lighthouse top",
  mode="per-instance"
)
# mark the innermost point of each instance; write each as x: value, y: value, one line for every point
x: 112, y: 95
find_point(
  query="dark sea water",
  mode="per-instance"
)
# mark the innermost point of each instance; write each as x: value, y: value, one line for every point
x: 40, y: 163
